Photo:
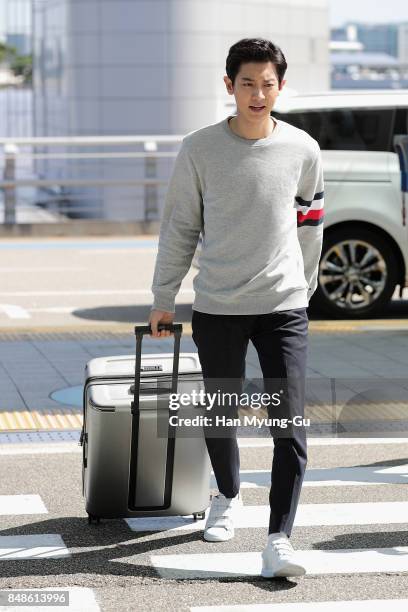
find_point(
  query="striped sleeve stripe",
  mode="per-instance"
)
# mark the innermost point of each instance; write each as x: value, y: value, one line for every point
x: 302, y: 203
x: 312, y: 217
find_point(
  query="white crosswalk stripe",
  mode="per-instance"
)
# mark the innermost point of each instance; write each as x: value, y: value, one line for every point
x: 214, y: 565
x: 13, y: 311
x: 331, y: 477
x: 308, y: 515
x: 40, y: 546
x: 324, y: 441
x: 317, y: 562
x: 31, y: 448
x: 367, y: 605
x: 22, y: 504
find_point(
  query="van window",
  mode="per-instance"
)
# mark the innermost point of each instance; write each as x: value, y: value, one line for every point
x: 346, y: 129
x: 400, y: 123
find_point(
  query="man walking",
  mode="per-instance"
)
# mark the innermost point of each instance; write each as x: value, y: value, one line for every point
x: 253, y: 185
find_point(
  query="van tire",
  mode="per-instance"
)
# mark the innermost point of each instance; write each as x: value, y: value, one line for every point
x: 322, y: 302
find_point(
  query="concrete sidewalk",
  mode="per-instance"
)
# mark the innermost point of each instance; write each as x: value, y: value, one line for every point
x: 41, y: 375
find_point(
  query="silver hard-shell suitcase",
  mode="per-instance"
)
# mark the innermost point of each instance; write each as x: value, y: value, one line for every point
x: 128, y: 469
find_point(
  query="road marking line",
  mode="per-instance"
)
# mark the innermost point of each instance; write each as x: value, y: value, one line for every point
x: 39, y: 546
x: 330, y: 477
x: 320, y: 562
x: 86, y: 292
x: 67, y: 447
x: 14, y: 312
x: 84, y: 245
x: 364, y: 605
x: 42, y: 269
x: 55, y: 309
x: 135, y: 250
x: 249, y: 478
x: 112, y: 328
x: 308, y: 515
x: 324, y: 441
x: 39, y: 449
x: 22, y: 504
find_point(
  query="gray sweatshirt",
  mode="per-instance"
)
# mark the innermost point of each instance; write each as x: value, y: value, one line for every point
x: 259, y: 206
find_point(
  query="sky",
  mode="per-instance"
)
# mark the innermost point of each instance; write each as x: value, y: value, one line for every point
x: 19, y: 13
x: 340, y: 11
x: 369, y: 11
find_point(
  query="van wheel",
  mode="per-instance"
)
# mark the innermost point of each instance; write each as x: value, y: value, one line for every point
x: 358, y: 273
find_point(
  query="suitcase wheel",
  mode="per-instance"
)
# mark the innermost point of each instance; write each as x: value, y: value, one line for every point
x: 199, y: 515
x: 92, y: 518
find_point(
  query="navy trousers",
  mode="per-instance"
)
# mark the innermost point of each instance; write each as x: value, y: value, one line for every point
x: 280, y: 339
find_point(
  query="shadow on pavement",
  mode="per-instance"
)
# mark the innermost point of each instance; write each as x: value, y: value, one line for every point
x: 397, y: 309
x: 128, y: 314
x: 376, y: 539
x: 117, y: 542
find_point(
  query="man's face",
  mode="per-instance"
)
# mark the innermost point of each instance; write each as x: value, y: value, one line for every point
x: 256, y: 85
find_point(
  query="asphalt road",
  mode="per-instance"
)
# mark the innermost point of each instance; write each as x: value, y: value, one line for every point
x: 78, y: 282
x: 104, y: 282
x: 351, y: 528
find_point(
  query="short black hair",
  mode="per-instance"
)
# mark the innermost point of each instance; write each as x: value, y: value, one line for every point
x: 255, y: 50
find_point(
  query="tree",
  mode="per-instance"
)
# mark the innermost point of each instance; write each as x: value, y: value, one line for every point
x: 23, y: 65
x: 7, y: 52
x: 20, y: 65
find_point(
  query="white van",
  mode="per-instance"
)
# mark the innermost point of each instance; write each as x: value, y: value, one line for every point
x: 365, y: 247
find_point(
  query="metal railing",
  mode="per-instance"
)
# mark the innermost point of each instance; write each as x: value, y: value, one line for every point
x: 59, y: 187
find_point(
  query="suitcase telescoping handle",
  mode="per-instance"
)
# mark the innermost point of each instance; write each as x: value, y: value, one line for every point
x: 140, y: 330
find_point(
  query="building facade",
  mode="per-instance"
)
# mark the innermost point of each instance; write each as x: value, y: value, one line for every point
x: 366, y: 56
x: 113, y: 67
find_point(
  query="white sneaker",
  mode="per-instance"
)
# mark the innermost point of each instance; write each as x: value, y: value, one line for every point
x: 219, y: 526
x: 278, y: 557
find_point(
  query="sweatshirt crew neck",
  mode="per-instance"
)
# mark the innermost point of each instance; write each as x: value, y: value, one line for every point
x: 251, y: 142
x: 260, y: 213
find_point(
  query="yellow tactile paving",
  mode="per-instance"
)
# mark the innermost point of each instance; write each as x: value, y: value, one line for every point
x: 386, y: 411
x: 23, y: 420
x: 114, y: 328
x: 67, y: 418
x: 321, y: 412
x: 357, y: 325
x: 315, y: 326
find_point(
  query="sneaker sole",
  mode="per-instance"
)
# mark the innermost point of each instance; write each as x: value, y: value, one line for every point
x: 284, y: 572
x: 213, y: 538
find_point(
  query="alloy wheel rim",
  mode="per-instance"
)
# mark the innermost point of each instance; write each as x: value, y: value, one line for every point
x: 352, y: 274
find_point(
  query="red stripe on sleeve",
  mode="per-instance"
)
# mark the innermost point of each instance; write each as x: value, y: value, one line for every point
x: 311, y: 214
